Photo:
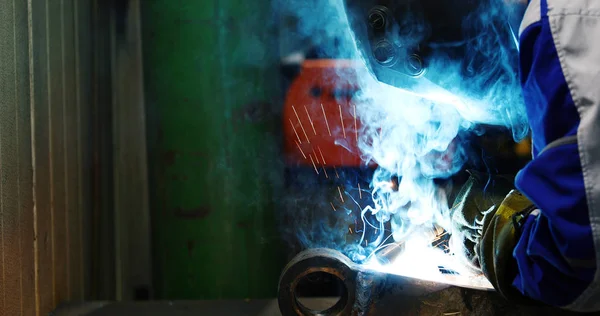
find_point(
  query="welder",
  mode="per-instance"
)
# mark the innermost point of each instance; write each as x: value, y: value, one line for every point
x: 535, y: 236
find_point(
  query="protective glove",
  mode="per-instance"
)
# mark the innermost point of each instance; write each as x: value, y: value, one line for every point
x: 487, y: 216
x: 476, y: 198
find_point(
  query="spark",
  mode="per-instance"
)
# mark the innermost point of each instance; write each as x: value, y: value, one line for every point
x: 310, y: 120
x: 336, y: 173
x: 438, y: 230
x: 325, y: 116
x: 325, y: 171
x: 350, y: 230
x: 301, y: 151
x: 452, y: 313
x: 333, y: 207
x: 316, y: 157
x: 438, y: 237
x: 313, y: 162
x: 359, y: 190
x: 342, y: 120
x: 295, y: 132
x: 341, y: 196
x: 301, y: 126
x: 438, y: 244
x: 322, y: 157
x: 355, y: 124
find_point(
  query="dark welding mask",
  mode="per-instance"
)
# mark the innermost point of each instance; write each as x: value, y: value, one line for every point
x: 409, y: 42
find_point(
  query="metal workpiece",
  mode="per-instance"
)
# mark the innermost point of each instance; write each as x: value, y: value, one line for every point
x: 368, y: 292
x: 313, y: 261
x: 363, y: 288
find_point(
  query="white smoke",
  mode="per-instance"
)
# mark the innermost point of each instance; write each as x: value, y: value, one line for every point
x: 413, y: 134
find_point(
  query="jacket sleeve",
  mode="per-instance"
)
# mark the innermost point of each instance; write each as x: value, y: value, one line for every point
x: 555, y: 254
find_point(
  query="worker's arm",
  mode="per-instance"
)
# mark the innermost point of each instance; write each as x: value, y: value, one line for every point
x: 555, y: 255
x: 552, y: 255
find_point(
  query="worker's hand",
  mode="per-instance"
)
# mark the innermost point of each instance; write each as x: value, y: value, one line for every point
x: 485, y: 216
x: 480, y: 195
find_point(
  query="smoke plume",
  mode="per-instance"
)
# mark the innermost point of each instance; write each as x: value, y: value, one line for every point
x: 413, y: 133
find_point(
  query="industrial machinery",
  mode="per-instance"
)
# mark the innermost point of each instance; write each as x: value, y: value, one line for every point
x: 411, y: 44
x: 319, y: 120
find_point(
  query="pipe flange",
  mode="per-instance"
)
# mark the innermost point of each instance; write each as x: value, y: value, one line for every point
x: 311, y: 261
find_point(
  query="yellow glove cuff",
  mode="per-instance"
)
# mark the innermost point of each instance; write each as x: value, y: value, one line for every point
x: 498, y: 241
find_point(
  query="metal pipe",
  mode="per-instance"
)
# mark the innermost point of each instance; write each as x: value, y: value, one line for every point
x: 362, y: 288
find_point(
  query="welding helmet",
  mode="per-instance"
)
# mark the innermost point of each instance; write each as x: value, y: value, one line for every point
x: 407, y: 42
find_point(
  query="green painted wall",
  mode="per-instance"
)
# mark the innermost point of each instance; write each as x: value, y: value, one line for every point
x: 213, y: 98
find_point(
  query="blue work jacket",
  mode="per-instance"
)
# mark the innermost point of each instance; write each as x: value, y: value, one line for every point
x: 559, y: 251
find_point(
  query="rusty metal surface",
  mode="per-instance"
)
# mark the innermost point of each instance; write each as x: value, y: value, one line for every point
x: 374, y: 293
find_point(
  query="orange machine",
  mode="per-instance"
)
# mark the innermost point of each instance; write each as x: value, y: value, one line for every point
x: 321, y: 128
